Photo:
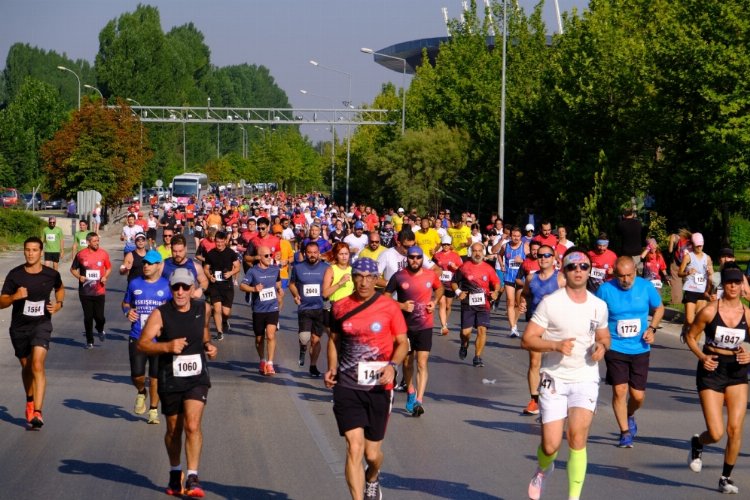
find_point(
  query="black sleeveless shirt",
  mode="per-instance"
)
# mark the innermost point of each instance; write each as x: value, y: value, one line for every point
x: 179, y: 373
x: 719, y: 335
x: 136, y: 271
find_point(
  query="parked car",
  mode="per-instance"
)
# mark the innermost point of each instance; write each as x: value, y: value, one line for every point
x: 56, y: 204
x: 32, y: 204
x: 8, y: 197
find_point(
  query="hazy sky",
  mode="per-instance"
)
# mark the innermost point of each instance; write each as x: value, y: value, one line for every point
x: 283, y: 35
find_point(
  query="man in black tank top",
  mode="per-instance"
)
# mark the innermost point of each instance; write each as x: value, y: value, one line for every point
x: 132, y: 264
x: 183, y: 344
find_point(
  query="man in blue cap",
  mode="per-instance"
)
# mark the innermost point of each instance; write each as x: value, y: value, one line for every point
x: 357, y: 240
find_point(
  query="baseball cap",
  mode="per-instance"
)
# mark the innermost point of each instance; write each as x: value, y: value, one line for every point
x: 359, y: 225
x: 731, y: 274
x: 181, y: 276
x: 697, y: 239
x: 277, y: 228
x: 401, y: 210
x: 152, y: 257
x: 726, y: 252
x: 529, y: 227
x: 414, y: 250
x: 364, y: 265
x: 140, y: 236
x: 446, y: 240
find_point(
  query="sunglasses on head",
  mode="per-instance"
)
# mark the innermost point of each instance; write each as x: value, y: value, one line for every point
x: 582, y: 266
x: 546, y: 255
x: 180, y: 286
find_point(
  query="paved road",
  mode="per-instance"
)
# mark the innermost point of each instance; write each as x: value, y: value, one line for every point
x: 275, y: 438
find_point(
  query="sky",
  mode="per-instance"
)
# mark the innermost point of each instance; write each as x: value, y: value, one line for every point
x: 282, y: 35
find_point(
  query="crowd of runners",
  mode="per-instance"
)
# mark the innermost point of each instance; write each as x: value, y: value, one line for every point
x: 369, y: 285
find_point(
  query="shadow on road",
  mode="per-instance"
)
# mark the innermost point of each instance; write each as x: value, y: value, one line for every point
x: 7, y: 417
x: 230, y: 492
x: 437, y: 488
x: 110, y: 472
x: 112, y: 379
x: 101, y: 409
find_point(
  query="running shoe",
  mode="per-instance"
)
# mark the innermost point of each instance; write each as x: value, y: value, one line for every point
x: 153, y: 416
x: 514, y: 334
x: 477, y: 361
x: 463, y: 351
x: 445, y: 331
x: 401, y: 387
x: 372, y: 491
x: 632, y: 425
x: 418, y: 409
x: 532, y: 408
x: 193, y: 487
x: 302, y: 352
x: 269, y: 369
x: 174, y: 487
x: 219, y: 336
x: 726, y: 485
x: 102, y: 336
x: 89, y: 346
x: 314, y: 372
x: 411, y: 398
x: 225, y: 325
x: 29, y: 411
x: 37, y: 421
x: 140, y: 404
x: 626, y: 440
x: 262, y: 367
x: 695, y: 458
x: 536, y: 486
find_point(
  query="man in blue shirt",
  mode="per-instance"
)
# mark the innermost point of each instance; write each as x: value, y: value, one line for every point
x: 144, y: 294
x: 263, y: 280
x: 629, y: 299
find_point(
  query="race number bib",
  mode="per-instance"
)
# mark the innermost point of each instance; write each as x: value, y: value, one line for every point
x: 188, y: 365
x: 728, y: 338
x: 368, y: 372
x: 267, y: 294
x: 446, y: 276
x: 93, y: 274
x: 143, y: 318
x: 700, y: 279
x: 50, y: 237
x: 82, y: 243
x: 514, y: 264
x: 311, y: 290
x: 627, y: 328
x: 657, y: 284
x: 219, y: 276
x: 33, y: 308
x: 598, y: 273
x: 476, y: 299
x: 546, y: 384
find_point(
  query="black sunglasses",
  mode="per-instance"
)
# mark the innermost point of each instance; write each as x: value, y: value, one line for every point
x: 180, y: 286
x: 583, y: 267
x: 266, y: 255
x: 546, y: 255
x: 414, y: 257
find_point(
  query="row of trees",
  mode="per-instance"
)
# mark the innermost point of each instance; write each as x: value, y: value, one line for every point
x: 139, y: 62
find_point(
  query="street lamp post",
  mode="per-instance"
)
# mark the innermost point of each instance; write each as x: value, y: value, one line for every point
x: 403, y: 83
x: 184, y: 149
x: 348, y: 127
x: 63, y: 68
x: 140, y: 153
x: 91, y: 87
x: 333, y: 139
x: 244, y: 141
x: 501, y: 181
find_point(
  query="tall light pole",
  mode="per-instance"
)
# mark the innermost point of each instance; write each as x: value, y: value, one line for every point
x: 403, y: 83
x: 348, y: 127
x: 91, y: 87
x: 333, y: 139
x: 218, y: 129
x: 501, y: 181
x: 140, y: 153
x: 63, y: 68
x: 244, y: 141
x: 184, y: 149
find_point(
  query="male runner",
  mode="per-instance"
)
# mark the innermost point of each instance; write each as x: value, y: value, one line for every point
x: 179, y: 259
x: 220, y: 265
x: 91, y: 267
x: 55, y: 244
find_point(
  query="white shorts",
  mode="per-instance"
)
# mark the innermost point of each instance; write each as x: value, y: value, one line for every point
x: 556, y: 397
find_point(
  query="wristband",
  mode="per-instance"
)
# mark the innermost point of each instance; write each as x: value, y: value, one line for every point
x: 458, y: 292
x: 394, y: 365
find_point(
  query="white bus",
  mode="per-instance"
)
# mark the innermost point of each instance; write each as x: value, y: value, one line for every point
x: 190, y: 184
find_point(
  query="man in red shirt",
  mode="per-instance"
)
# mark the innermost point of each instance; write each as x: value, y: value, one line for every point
x: 366, y: 343
x: 602, y: 261
x: 414, y: 287
x: 472, y: 284
x: 91, y: 267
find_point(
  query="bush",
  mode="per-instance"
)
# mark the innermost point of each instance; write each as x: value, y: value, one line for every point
x: 739, y: 232
x: 17, y: 225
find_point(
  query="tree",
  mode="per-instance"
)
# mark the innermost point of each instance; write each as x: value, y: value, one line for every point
x: 99, y: 149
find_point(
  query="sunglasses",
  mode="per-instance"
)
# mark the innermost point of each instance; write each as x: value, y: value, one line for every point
x: 266, y: 255
x: 374, y: 241
x: 180, y: 286
x: 149, y: 263
x: 168, y: 235
x: 583, y: 267
x: 546, y: 255
x: 414, y: 257
x: 262, y: 228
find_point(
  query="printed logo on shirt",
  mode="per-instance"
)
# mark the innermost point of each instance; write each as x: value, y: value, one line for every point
x: 160, y: 293
x: 405, y: 286
x: 376, y: 327
x: 137, y: 292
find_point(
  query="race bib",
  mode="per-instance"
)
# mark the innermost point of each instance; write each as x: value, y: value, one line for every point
x: 728, y: 338
x: 368, y: 372
x: 627, y: 328
x: 311, y: 290
x: 82, y: 243
x: 188, y: 365
x: 546, y: 384
x: 143, y: 318
x: 33, y: 308
x: 93, y: 274
x: 446, y: 276
x: 219, y: 275
x: 598, y: 273
x: 51, y: 237
x: 267, y: 294
x: 700, y: 279
x: 476, y: 299
x: 657, y: 284
x: 514, y: 264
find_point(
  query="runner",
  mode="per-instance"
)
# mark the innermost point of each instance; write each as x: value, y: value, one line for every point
x: 179, y: 259
x: 91, y: 267
x: 679, y: 244
x: 54, y: 250
x: 357, y: 240
x: 475, y: 285
x: 541, y: 284
x: 427, y: 238
x: 460, y: 237
x: 629, y: 299
x: 132, y: 264
x: 306, y: 286
x: 447, y: 261
x: 414, y: 288
x: 570, y: 328
x: 178, y: 333
x: 373, y: 248
x: 602, y: 262
x: 144, y: 294
x: 511, y: 255
x: 264, y: 282
x: 79, y: 238
x: 128, y: 233
x: 696, y: 269
x: 27, y: 288
x: 722, y: 373
x: 366, y: 344
x: 220, y: 265
x: 165, y: 249
x: 393, y: 259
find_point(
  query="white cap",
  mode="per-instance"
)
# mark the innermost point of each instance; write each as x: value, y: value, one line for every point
x: 400, y: 209
x: 446, y: 240
x: 529, y: 227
